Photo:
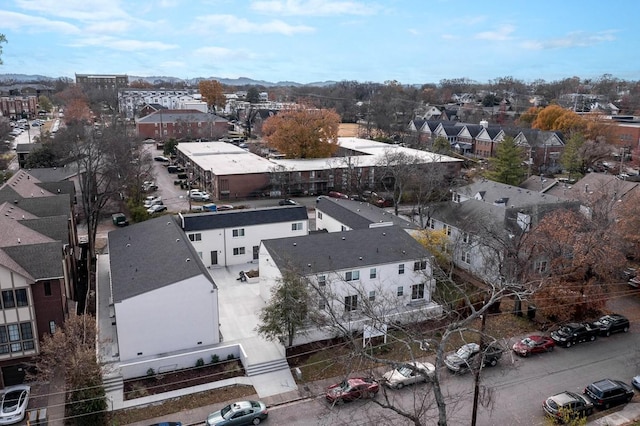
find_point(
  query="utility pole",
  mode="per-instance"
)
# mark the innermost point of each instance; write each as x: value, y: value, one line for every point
x: 476, y: 377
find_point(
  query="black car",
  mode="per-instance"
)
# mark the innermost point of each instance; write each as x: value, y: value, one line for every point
x: 287, y: 202
x: 612, y: 323
x: 573, y: 333
x: 567, y: 405
x: 608, y: 393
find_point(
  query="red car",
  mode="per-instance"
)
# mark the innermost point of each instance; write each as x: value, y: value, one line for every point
x: 533, y: 345
x: 336, y: 194
x: 352, y: 389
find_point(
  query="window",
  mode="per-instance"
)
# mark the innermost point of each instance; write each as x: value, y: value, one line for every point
x: 372, y: 295
x: 195, y: 237
x: 21, y: 297
x: 47, y: 288
x: 400, y: 291
x: 7, y: 299
x: 466, y: 238
x: 447, y: 228
x: 343, y: 228
x: 52, y: 327
x: 322, y: 305
x: 296, y: 226
x: 238, y: 251
x: 350, y: 303
x: 466, y: 257
x: 420, y: 265
x: 352, y: 276
x: 238, y: 232
x: 319, y: 215
x: 417, y: 291
x: 401, y: 269
x: 541, y: 266
x: 373, y: 273
x: 431, y: 223
x: 256, y: 252
x: 456, y: 197
x: 322, y: 280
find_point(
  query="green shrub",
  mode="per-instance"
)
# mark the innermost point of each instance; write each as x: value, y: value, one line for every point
x: 151, y: 372
x: 199, y: 362
x: 215, y: 359
x: 230, y: 357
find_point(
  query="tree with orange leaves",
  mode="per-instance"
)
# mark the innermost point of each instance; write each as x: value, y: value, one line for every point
x: 575, y: 258
x: 77, y: 111
x: 213, y: 94
x: 303, y: 133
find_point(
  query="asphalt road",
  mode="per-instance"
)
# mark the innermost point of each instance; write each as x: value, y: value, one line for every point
x: 511, y: 393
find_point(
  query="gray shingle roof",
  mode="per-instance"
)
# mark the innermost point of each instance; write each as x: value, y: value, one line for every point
x: 54, y: 227
x: 175, y: 115
x: 54, y: 174
x: 55, y: 205
x: 315, y: 253
x: 358, y: 214
x: 234, y: 219
x: 150, y: 255
x: 41, y: 261
x: 515, y: 196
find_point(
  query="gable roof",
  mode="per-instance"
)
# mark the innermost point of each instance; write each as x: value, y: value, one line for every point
x: 150, y: 255
x: 490, y: 191
x: 54, y: 174
x: 359, y: 214
x: 335, y: 251
x: 54, y: 227
x: 236, y: 218
x: 175, y: 115
x: 42, y: 261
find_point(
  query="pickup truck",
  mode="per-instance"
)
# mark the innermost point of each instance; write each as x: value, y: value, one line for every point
x: 573, y: 333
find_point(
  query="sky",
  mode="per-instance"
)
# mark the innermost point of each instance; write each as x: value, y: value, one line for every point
x: 307, y: 41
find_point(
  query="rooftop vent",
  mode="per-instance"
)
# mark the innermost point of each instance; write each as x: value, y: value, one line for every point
x: 343, y: 238
x: 295, y: 244
x: 187, y: 260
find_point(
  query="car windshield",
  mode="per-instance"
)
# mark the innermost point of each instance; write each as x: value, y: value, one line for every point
x: 225, y: 410
x: 11, y: 400
x: 405, y: 371
x: 463, y: 352
x: 528, y: 342
x: 344, y: 386
x: 606, y: 320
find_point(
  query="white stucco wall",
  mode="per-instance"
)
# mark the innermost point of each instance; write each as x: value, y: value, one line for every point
x: 223, y: 242
x: 180, y: 316
x: 10, y: 280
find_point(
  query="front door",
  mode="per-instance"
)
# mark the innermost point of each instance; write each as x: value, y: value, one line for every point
x: 214, y: 257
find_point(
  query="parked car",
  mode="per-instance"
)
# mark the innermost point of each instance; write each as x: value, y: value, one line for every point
x: 239, y: 413
x: 612, y: 323
x: 336, y: 194
x: 119, y: 219
x: 13, y: 404
x: 149, y: 185
x: 573, y: 333
x: 352, y: 389
x: 156, y: 208
x: 464, y: 358
x: 287, y: 202
x: 152, y: 200
x: 636, y: 382
x: 567, y: 405
x: 161, y: 159
x: 533, y: 345
x: 224, y: 207
x: 608, y: 393
x: 406, y: 375
x: 198, y: 196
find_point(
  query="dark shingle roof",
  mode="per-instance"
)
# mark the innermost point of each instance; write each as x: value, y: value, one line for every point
x: 175, y: 115
x: 54, y: 227
x: 55, y: 205
x: 233, y: 219
x: 358, y: 214
x: 150, y: 255
x: 334, y: 251
x: 41, y: 261
x: 54, y: 174
x: 62, y: 187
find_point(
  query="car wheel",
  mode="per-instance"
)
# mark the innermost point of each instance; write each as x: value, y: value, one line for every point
x: 606, y: 406
x: 568, y: 344
x: 493, y: 362
x: 592, y: 338
x: 589, y: 411
x: 399, y: 386
x: 256, y: 421
x: 608, y: 333
x: 550, y: 349
x: 625, y: 329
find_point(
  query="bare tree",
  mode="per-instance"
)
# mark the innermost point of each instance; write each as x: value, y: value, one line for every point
x: 397, y: 169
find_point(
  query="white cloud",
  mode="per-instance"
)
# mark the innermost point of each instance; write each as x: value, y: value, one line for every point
x: 232, y: 24
x: 313, y: 7
x: 35, y: 24
x: 575, y: 39
x: 83, y: 10
x: 123, y: 44
x: 221, y: 53
x: 501, y: 34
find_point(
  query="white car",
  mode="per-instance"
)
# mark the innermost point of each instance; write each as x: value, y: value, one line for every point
x: 152, y: 201
x: 199, y: 196
x: 13, y: 405
x: 157, y: 208
x: 404, y: 375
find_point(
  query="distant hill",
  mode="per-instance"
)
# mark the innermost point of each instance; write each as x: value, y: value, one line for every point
x: 240, y: 81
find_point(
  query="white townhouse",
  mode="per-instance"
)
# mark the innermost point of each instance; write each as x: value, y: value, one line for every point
x: 337, y: 214
x: 483, y: 221
x: 161, y: 299
x: 382, y: 270
x: 233, y: 237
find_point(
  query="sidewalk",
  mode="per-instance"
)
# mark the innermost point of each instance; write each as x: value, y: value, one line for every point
x: 629, y: 414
